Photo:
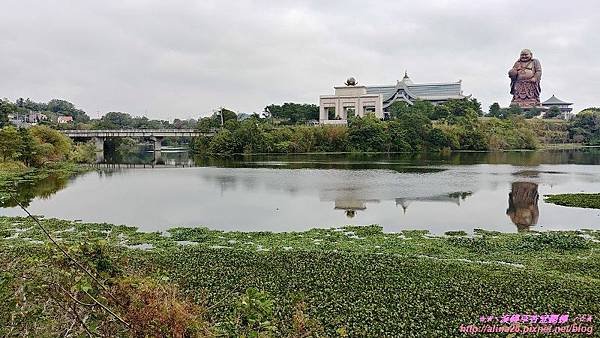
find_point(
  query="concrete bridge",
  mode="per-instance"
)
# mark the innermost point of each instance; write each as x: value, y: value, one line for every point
x: 155, y: 135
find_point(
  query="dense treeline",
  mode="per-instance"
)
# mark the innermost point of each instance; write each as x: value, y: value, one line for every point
x: 52, y: 109
x: 585, y: 127
x: 292, y: 113
x: 454, y: 125
x: 37, y: 146
x: 412, y: 128
x: 514, y: 110
x: 111, y: 120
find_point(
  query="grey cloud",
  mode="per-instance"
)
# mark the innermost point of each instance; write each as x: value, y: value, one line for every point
x: 171, y: 59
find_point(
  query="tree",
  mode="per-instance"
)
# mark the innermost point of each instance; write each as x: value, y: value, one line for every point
x: 367, y: 134
x: 53, y: 144
x: 398, y: 108
x: 438, y: 140
x: 249, y: 138
x: 331, y: 138
x: 9, y: 143
x: 206, y: 124
x: 293, y: 112
x: 200, y: 144
x: 440, y: 112
x: 474, y: 140
x: 28, y: 148
x: 495, y: 110
x: 585, y: 127
x: 60, y: 106
x: 115, y: 120
x: 6, y: 108
x: 476, y: 105
x: 226, y: 115
x: 232, y: 125
x: 145, y: 123
x: 451, y: 138
x: 462, y: 106
x: 514, y: 110
x: 532, y: 112
x: 222, y: 143
x: 417, y: 127
x: 84, y: 152
x: 553, y: 112
x: 397, y: 140
x: 63, y: 107
x: 184, y: 124
x: 35, y: 106
x: 424, y: 107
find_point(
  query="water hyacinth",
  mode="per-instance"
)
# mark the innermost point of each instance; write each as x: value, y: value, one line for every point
x: 393, y: 282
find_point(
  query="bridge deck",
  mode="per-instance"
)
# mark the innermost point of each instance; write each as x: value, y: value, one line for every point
x: 135, y: 133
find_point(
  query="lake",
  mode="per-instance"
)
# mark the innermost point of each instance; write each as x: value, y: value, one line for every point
x: 458, y: 191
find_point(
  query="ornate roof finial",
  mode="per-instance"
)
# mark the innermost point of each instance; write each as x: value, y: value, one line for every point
x: 407, y: 79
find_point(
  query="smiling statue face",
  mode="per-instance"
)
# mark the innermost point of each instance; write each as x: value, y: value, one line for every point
x: 526, y: 55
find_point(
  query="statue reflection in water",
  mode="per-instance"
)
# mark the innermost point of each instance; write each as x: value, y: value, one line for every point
x: 523, y: 205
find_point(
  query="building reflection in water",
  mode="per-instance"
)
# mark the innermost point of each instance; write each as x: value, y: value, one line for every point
x: 523, y: 205
x: 352, y: 205
x: 454, y: 198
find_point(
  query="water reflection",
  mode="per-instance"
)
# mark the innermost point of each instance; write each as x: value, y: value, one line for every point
x: 454, y: 198
x: 351, y: 206
x: 403, y: 162
x: 25, y: 190
x: 523, y: 205
x: 297, y: 192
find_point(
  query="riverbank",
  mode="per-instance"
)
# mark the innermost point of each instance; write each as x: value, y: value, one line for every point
x: 352, y: 281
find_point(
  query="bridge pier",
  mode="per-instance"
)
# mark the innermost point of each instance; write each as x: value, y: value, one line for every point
x: 157, y: 143
x: 157, y: 158
x: 157, y: 149
x: 99, y: 144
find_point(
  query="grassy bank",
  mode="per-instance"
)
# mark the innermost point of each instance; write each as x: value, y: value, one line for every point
x: 354, y: 281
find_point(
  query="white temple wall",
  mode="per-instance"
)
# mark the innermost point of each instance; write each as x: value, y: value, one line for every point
x: 342, y: 103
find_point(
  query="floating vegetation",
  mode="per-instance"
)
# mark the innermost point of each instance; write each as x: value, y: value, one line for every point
x: 386, y: 284
x: 455, y: 233
x: 575, y: 200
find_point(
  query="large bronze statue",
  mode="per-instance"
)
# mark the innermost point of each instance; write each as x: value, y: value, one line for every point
x: 525, y: 78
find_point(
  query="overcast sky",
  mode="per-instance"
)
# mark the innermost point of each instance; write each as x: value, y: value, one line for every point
x: 181, y: 59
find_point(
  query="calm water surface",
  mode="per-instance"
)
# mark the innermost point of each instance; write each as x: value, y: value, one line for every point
x: 463, y: 191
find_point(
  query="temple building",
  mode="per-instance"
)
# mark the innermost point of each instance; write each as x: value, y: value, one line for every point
x: 565, y: 107
x: 354, y: 100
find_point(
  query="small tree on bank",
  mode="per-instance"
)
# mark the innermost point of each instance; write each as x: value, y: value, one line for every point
x: 9, y: 143
x: 552, y: 112
x: 495, y: 110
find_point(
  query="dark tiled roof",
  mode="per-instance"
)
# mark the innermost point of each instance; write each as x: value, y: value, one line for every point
x: 425, y: 91
x: 436, y: 89
x: 555, y: 100
x: 387, y: 91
